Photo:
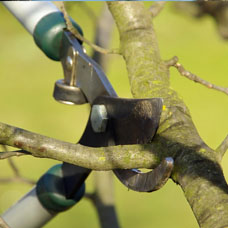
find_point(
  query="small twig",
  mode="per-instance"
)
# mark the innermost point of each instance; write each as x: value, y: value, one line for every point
x: 90, y: 196
x: 174, y: 62
x: 3, y: 224
x: 74, y: 31
x: 17, y: 153
x: 14, y: 167
x: 18, y: 179
x: 156, y: 8
x: 222, y: 148
x: 17, y: 176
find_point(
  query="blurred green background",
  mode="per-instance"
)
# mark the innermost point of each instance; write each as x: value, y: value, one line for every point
x: 27, y: 78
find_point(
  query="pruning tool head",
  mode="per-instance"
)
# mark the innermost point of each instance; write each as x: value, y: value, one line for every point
x: 113, y: 120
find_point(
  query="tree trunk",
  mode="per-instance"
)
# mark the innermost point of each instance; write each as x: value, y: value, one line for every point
x: 197, y: 167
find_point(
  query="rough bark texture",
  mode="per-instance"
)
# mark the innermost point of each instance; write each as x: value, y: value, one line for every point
x: 197, y: 167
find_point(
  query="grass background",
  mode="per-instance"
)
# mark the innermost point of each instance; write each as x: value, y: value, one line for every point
x: 26, y: 84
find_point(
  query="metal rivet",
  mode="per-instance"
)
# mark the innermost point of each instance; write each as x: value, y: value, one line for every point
x: 99, y: 118
x: 69, y: 62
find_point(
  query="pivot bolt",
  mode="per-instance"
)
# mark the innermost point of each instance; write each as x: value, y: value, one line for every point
x: 99, y: 118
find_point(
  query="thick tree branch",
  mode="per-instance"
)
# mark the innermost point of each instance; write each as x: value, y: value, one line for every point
x: 197, y: 167
x: 129, y: 156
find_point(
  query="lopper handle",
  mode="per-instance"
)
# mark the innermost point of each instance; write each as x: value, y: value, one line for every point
x: 43, y: 202
x: 44, y: 21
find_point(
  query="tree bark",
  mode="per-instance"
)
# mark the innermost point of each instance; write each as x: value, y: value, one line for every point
x: 197, y: 167
x: 113, y: 157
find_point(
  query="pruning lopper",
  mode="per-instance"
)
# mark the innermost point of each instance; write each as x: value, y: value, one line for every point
x: 112, y: 121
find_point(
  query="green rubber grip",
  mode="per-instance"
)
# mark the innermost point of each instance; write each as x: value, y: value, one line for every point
x: 51, y: 193
x: 48, y: 34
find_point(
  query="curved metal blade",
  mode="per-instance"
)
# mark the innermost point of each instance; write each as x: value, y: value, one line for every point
x: 146, y: 182
x: 130, y: 121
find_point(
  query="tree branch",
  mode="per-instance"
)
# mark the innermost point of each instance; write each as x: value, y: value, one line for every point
x: 19, y: 179
x: 93, y: 158
x: 74, y: 31
x: 156, y: 8
x: 174, y: 62
x: 17, y: 176
x: 14, y: 167
x: 103, y: 33
x: 103, y: 199
x: 9, y: 154
x: 197, y: 167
